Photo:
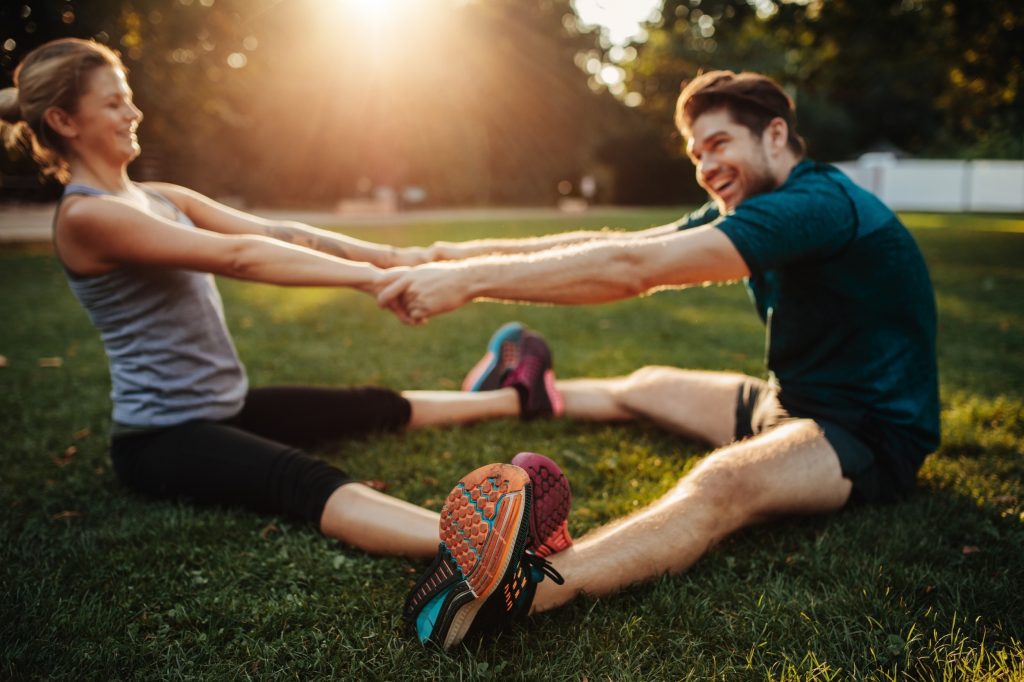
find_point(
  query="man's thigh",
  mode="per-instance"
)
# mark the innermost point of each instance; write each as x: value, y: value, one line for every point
x: 759, y: 411
x: 789, y: 469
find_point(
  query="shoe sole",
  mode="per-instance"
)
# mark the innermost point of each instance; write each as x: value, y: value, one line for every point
x: 483, y: 377
x: 552, y: 499
x: 484, y: 525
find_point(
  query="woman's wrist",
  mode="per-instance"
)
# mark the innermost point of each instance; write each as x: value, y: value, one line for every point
x: 369, y: 280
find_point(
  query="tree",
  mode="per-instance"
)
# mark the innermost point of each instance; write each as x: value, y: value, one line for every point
x: 306, y: 101
x: 935, y: 77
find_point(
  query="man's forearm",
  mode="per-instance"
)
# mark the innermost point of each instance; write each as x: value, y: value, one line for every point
x: 579, y: 275
x: 486, y: 247
x: 610, y: 270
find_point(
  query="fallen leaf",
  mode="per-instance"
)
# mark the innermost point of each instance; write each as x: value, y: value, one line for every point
x: 66, y: 458
x: 378, y: 485
x: 268, y: 529
x: 3, y: 361
x: 970, y: 549
x: 82, y: 433
x: 51, y: 362
x: 65, y: 515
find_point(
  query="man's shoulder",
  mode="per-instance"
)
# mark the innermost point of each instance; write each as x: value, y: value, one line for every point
x: 813, y: 192
x: 708, y: 213
x: 814, y: 182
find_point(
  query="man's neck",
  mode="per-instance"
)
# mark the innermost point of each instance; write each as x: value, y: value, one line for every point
x: 783, y: 166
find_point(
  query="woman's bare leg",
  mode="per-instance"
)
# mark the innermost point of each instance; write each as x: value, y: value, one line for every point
x: 378, y: 523
x: 439, y: 408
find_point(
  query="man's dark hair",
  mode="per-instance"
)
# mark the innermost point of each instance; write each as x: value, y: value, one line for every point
x: 753, y: 101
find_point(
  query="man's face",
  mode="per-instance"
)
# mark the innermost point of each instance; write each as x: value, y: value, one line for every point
x: 732, y: 163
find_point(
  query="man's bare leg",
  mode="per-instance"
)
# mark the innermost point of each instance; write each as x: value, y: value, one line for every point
x: 694, y: 403
x: 790, y: 469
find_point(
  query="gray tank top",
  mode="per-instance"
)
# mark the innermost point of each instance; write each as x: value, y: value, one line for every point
x: 170, y: 353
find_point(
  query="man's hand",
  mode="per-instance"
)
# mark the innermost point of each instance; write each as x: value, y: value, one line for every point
x: 422, y: 292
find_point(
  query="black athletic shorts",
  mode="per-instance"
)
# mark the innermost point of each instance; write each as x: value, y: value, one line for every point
x: 758, y: 409
x: 253, y: 460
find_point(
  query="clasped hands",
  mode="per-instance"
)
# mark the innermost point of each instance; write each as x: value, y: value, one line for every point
x: 418, y: 293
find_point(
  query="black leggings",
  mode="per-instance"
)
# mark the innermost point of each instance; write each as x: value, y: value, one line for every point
x: 252, y: 460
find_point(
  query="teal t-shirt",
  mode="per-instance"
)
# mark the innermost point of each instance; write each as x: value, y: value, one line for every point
x: 849, y: 308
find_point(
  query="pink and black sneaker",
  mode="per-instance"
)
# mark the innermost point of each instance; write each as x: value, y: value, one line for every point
x: 552, y: 497
x: 533, y: 377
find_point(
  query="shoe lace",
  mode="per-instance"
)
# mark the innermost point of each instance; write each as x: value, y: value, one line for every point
x: 543, y: 566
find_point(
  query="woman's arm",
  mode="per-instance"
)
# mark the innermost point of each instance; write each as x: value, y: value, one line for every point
x: 97, y: 234
x: 211, y: 215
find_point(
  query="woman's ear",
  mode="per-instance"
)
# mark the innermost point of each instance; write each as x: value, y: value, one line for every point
x: 61, y: 122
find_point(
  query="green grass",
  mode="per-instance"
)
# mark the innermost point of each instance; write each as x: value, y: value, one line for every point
x: 98, y: 583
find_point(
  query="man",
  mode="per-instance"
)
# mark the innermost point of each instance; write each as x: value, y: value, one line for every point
x: 851, y: 407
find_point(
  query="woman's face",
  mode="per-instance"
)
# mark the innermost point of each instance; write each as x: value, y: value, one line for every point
x: 106, y: 120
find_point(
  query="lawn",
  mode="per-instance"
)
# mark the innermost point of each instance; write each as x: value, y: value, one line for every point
x: 98, y: 583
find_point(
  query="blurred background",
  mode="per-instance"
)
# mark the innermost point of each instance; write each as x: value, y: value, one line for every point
x: 432, y: 103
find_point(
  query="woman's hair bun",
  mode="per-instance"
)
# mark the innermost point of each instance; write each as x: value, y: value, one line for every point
x: 10, y: 110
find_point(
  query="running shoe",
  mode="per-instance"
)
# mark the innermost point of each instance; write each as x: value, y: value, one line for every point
x: 501, y: 357
x: 552, y: 497
x: 512, y: 600
x: 484, y: 526
x: 533, y: 377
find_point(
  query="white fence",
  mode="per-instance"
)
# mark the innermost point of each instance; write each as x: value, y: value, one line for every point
x: 917, y: 185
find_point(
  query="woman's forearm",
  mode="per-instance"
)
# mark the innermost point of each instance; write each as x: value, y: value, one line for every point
x: 337, y: 244
x: 272, y: 262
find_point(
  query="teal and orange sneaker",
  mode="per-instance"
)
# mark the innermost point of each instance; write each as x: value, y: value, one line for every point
x: 501, y: 357
x: 552, y: 497
x: 511, y: 602
x: 483, y: 528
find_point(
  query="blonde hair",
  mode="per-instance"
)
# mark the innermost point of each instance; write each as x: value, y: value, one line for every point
x: 52, y: 75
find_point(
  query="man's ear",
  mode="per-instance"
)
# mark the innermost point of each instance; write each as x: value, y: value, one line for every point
x: 777, y: 133
x: 61, y: 122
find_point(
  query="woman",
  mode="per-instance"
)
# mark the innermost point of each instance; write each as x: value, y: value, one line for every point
x: 140, y: 259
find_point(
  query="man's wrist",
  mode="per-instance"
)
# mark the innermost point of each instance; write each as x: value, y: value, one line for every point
x: 472, y: 281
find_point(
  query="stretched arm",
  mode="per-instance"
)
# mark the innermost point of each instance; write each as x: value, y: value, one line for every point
x: 217, y: 217
x: 95, y: 235
x: 593, y: 272
x: 485, y: 247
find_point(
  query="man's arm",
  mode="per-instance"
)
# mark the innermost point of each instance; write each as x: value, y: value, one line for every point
x: 441, y: 251
x: 594, y: 272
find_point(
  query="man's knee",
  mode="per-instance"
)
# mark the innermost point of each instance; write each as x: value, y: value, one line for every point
x: 638, y: 385
x: 721, y: 482
x: 768, y: 473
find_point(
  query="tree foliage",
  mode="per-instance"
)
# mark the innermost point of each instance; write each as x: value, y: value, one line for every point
x: 484, y: 101
x: 310, y: 100
x: 933, y: 77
